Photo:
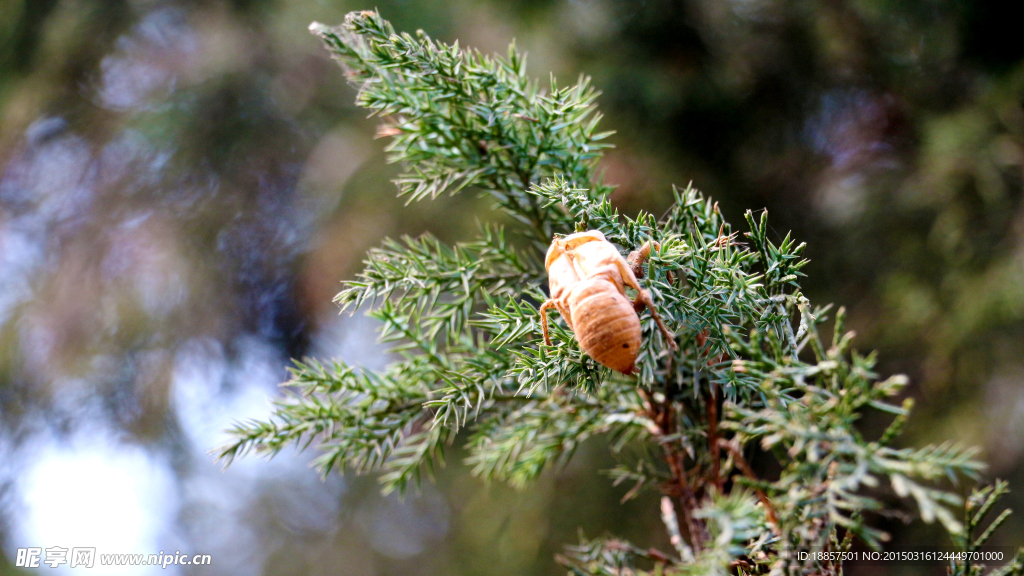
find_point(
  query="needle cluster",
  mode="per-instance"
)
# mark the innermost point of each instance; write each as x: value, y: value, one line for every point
x: 753, y: 379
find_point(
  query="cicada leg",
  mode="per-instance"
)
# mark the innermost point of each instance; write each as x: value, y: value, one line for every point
x: 645, y: 297
x: 637, y: 258
x: 544, y: 319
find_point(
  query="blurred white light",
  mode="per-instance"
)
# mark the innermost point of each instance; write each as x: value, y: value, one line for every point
x: 96, y: 493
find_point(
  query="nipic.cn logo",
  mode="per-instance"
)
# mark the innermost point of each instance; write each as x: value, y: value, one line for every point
x: 86, y: 558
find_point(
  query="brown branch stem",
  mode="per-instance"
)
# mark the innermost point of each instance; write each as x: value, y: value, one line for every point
x: 663, y: 416
x: 744, y: 467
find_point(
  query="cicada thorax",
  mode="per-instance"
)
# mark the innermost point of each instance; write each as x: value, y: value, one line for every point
x: 597, y: 258
x: 605, y: 323
x: 562, y: 277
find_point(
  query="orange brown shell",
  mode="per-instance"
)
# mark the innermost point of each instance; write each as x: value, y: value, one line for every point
x: 587, y: 276
x: 606, y: 326
x: 562, y: 277
x: 592, y: 301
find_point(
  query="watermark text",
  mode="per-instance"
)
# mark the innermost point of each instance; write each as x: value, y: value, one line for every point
x: 84, y: 557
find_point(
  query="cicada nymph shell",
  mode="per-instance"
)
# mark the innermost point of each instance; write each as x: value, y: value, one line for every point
x: 587, y: 278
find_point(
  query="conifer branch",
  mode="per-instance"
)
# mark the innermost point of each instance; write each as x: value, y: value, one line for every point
x: 752, y: 375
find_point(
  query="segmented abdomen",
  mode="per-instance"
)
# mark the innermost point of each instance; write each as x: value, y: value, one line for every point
x: 605, y: 324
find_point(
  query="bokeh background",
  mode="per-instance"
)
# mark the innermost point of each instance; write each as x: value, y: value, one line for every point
x: 183, y: 184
